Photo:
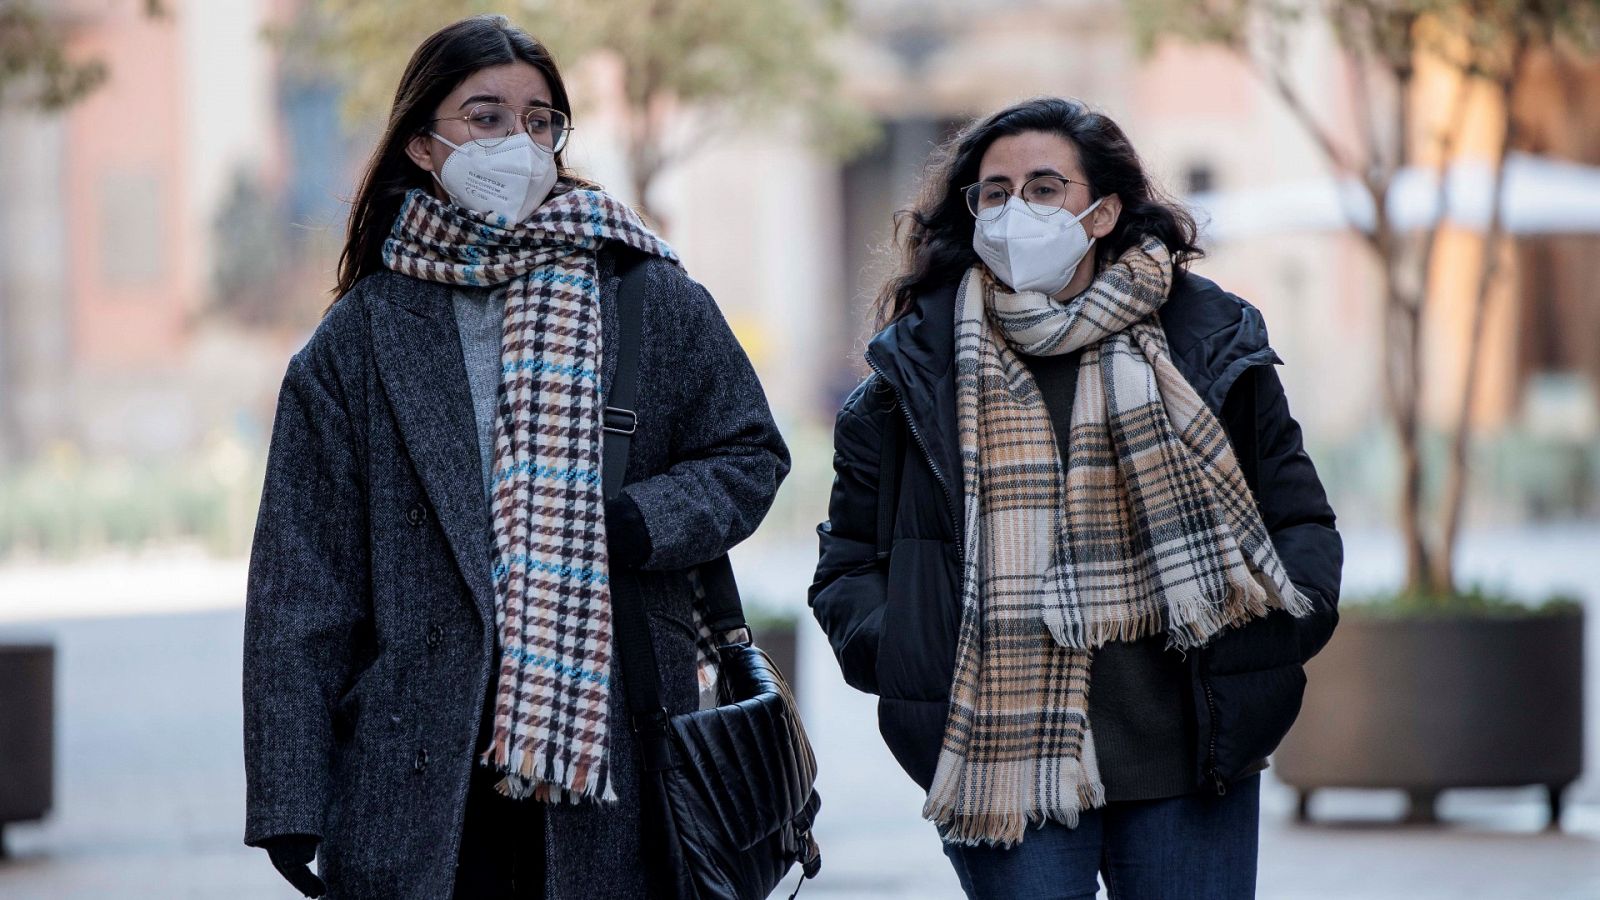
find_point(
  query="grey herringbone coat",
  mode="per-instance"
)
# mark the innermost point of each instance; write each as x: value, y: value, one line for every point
x: 369, y: 634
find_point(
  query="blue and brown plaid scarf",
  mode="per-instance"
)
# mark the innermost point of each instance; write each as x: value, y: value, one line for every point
x: 553, y: 600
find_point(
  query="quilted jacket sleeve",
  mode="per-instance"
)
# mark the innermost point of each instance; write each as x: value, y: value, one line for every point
x: 1294, y: 507
x: 850, y: 589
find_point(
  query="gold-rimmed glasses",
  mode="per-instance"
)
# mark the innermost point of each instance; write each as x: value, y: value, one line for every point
x: 491, y: 123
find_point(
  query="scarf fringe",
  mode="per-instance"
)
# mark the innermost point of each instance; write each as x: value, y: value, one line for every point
x: 1078, y: 635
x: 1197, y: 618
x: 1005, y: 828
x: 1189, y: 622
x: 525, y: 778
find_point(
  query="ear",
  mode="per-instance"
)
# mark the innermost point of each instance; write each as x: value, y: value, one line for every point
x: 1105, y: 216
x: 420, y: 149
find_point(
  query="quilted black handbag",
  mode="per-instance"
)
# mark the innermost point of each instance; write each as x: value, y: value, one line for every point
x: 729, y: 792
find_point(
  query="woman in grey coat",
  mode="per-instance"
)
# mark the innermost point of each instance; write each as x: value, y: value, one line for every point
x: 431, y: 705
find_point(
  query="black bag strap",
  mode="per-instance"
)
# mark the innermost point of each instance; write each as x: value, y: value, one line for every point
x: 621, y: 420
x: 724, y: 610
x: 891, y: 455
x: 641, y: 681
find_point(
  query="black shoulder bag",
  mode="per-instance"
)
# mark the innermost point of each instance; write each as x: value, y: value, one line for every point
x: 728, y: 793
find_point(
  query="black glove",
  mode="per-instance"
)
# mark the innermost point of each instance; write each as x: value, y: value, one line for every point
x: 292, y: 855
x: 627, y: 538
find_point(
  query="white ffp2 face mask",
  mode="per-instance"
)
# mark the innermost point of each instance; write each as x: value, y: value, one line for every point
x: 1033, y: 251
x: 509, y: 179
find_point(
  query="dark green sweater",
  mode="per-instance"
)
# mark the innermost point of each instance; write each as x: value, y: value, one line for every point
x: 1139, y: 711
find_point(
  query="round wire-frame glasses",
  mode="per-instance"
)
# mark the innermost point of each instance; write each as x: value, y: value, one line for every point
x: 492, y: 123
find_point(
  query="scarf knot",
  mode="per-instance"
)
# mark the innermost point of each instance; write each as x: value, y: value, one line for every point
x: 1130, y: 291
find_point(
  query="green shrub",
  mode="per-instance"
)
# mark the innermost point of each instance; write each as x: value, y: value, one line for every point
x: 1475, y: 601
x: 63, y: 506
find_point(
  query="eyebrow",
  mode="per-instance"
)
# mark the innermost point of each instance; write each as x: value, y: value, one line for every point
x: 1047, y: 170
x: 496, y: 98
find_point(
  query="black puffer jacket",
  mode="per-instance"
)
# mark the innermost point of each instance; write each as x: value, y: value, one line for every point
x: 892, y: 618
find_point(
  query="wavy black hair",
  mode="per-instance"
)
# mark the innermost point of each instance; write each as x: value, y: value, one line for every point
x: 935, y: 234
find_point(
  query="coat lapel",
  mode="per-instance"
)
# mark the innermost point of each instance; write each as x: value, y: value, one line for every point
x: 418, y: 353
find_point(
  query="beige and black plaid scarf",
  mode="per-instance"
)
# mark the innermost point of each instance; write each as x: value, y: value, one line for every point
x: 552, y: 587
x: 1149, y: 529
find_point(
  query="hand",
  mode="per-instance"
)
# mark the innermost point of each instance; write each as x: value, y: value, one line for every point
x: 291, y: 855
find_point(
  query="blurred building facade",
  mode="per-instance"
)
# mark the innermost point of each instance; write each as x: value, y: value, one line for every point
x: 123, y: 216
x: 1557, y: 332
x: 924, y: 69
x: 116, y: 225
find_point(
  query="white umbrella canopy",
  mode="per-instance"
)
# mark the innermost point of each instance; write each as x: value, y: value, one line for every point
x: 1542, y: 196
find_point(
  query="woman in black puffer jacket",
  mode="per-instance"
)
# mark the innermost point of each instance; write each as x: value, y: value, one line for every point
x: 1159, y: 722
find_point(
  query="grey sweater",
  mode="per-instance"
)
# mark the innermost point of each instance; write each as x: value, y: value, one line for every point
x: 1138, y: 703
x: 479, y: 315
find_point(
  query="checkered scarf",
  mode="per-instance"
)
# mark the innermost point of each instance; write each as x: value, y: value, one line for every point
x: 552, y: 592
x: 1149, y: 529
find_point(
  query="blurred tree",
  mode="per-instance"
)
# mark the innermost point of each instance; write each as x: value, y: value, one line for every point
x: 34, y: 68
x: 1486, y: 44
x: 689, y: 70
x: 36, y: 72
x: 253, y: 254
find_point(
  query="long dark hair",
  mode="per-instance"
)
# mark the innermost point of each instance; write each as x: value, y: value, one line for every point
x: 441, y: 63
x: 935, y: 234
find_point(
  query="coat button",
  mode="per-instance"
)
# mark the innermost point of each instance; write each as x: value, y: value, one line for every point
x: 435, y: 636
x: 421, y: 760
x: 416, y: 514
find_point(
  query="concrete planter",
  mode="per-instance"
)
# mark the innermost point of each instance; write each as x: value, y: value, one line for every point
x: 27, y: 733
x: 1429, y: 704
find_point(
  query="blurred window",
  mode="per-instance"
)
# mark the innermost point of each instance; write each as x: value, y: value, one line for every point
x: 873, y: 186
x: 133, y: 239
x: 1558, y: 320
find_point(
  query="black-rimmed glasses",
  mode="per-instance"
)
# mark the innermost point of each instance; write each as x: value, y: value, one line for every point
x: 986, y: 200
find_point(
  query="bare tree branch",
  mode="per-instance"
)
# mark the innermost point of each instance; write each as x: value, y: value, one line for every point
x: 1448, y: 140
x: 1458, y: 472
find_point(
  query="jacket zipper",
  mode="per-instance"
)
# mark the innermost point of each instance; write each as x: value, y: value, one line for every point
x: 916, y: 436
x: 1217, y: 783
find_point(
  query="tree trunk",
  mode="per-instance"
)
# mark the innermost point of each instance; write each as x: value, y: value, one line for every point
x: 1459, y: 472
x: 1405, y: 410
x: 644, y: 157
x: 1402, y: 383
x: 642, y: 179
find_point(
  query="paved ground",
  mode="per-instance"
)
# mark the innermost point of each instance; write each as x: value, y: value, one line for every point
x: 150, y: 790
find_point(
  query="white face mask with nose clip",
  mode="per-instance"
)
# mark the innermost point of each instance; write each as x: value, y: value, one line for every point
x: 1033, y: 250
x: 509, y: 179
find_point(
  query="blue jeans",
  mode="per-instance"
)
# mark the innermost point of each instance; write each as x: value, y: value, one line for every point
x: 1196, y: 847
